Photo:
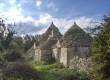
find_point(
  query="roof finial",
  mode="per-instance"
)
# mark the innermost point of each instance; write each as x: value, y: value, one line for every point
x: 52, y: 24
x: 75, y: 23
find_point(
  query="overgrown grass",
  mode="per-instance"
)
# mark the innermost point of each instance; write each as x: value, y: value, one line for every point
x: 58, y: 72
x: 47, y: 67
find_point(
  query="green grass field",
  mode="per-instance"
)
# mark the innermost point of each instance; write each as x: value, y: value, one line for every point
x: 58, y: 72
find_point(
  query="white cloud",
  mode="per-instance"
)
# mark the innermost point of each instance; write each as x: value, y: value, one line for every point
x: 2, y: 5
x: 42, y: 31
x: 38, y: 3
x: 85, y: 22
x: 51, y: 5
x: 44, y: 19
x: 64, y: 23
x: 28, y: 19
x: 14, y: 16
x: 12, y: 1
x: 19, y: 5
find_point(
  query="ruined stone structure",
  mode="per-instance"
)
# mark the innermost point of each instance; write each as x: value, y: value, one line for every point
x: 75, y: 42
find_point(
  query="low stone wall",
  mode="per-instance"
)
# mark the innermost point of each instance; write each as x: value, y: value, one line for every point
x: 67, y: 54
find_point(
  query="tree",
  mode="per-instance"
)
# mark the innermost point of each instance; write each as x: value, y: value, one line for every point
x: 101, y: 51
x: 30, y: 40
x: 6, y: 35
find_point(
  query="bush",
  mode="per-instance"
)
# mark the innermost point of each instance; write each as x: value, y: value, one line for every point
x: 65, y: 74
x: 13, y: 56
x: 81, y: 64
x: 73, y: 75
x: 21, y: 72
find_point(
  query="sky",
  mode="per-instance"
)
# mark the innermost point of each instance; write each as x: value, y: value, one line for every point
x: 35, y: 16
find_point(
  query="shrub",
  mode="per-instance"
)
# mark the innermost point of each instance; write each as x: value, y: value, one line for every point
x: 19, y: 71
x: 65, y: 74
x: 74, y: 76
x: 81, y: 64
x: 13, y: 56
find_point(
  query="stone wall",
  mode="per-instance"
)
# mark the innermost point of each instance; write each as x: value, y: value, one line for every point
x: 38, y: 55
x: 56, y: 54
x: 42, y: 55
x: 46, y: 54
x: 67, y: 54
x: 64, y: 57
x: 82, y: 52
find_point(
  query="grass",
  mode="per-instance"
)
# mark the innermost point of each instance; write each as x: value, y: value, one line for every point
x: 49, y: 67
x: 58, y: 72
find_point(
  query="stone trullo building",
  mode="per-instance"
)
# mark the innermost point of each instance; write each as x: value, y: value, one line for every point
x: 75, y: 42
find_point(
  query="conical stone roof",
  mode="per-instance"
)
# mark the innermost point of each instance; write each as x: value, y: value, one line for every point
x: 76, y: 36
x: 50, y: 37
x: 52, y: 30
x: 48, y: 44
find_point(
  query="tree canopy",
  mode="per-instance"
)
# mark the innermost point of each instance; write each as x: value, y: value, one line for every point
x: 101, y: 51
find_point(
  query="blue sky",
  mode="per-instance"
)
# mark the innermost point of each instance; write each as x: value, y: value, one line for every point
x: 37, y: 15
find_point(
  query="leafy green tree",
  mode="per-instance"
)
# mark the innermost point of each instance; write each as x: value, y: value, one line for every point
x: 101, y: 51
x: 29, y: 41
x: 7, y: 40
x: 6, y: 35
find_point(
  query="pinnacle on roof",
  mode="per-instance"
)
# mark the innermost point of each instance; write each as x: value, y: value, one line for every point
x: 75, y: 26
x: 52, y: 26
x: 54, y: 29
x: 75, y: 23
x: 72, y: 29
